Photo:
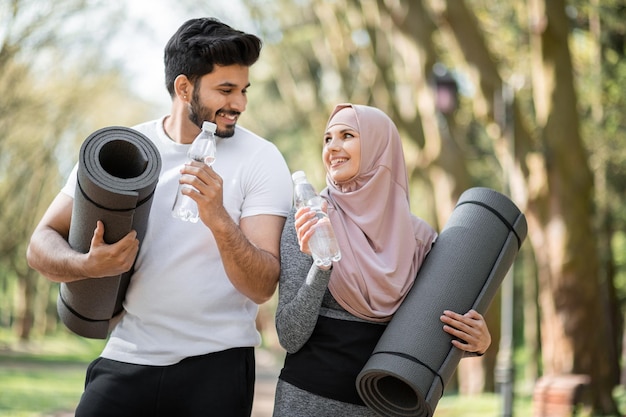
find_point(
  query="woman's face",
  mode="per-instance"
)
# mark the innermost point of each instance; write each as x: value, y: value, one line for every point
x: 342, y: 152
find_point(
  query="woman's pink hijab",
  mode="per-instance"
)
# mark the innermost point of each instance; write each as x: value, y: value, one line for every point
x: 382, y: 243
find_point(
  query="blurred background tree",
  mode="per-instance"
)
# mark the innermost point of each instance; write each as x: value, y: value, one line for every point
x: 533, y: 78
x: 523, y: 97
x: 55, y: 90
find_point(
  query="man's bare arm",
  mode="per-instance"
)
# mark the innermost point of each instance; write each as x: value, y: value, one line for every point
x: 49, y: 252
x: 250, y: 253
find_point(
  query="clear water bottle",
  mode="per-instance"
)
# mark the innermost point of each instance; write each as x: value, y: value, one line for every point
x: 323, y: 244
x: 202, y: 149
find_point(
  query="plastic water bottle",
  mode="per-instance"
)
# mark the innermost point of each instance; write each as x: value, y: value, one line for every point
x: 323, y: 244
x: 202, y: 149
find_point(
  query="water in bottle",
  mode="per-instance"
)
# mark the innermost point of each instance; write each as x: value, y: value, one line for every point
x: 202, y: 149
x: 323, y: 243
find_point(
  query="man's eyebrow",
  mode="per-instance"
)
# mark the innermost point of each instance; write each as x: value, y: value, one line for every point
x: 230, y: 84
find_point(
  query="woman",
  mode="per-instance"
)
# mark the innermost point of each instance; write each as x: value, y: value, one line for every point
x: 330, y: 320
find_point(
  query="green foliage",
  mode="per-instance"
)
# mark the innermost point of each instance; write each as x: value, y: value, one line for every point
x: 619, y: 249
x: 54, y: 91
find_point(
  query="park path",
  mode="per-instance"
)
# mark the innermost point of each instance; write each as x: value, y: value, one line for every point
x: 267, y: 370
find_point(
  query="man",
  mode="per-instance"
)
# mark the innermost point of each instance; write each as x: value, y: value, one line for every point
x: 184, y: 345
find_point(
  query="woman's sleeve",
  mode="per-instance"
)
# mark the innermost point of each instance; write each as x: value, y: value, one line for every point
x: 301, y: 289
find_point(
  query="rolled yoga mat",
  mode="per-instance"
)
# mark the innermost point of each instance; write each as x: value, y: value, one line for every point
x: 118, y: 169
x: 414, y: 358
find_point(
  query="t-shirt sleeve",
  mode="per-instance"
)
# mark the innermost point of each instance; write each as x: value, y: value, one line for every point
x: 269, y: 185
x: 70, y: 185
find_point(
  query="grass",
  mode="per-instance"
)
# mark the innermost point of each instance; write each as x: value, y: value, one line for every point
x: 28, y: 393
x: 484, y: 405
x: 43, y: 377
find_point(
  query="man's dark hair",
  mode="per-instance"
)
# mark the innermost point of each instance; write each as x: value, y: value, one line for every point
x: 199, y: 44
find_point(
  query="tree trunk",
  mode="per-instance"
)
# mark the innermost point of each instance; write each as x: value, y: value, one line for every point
x: 575, y: 332
x: 26, y: 316
x: 531, y: 323
x: 558, y: 188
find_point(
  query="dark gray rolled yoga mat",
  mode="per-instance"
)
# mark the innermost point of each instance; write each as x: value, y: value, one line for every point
x: 118, y: 169
x: 414, y: 359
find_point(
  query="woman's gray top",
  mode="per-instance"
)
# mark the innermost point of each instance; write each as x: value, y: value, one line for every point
x: 303, y: 296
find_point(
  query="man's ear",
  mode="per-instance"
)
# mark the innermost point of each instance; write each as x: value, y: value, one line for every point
x: 183, y: 88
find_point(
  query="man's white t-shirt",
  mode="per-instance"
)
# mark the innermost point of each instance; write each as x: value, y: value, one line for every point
x: 180, y: 303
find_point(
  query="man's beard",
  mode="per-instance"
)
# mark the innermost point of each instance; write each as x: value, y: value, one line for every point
x: 199, y: 114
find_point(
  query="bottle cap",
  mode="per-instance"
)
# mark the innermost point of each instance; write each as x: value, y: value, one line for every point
x: 209, y: 126
x: 298, y: 175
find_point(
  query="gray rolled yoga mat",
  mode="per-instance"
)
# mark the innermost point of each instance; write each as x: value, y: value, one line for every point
x: 414, y: 359
x: 118, y: 169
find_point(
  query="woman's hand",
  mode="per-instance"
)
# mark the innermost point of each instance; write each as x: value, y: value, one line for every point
x: 304, y: 220
x: 470, y: 328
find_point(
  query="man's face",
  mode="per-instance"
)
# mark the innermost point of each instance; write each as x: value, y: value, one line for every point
x: 220, y: 97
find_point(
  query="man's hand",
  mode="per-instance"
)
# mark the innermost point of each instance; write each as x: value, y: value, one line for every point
x: 105, y: 260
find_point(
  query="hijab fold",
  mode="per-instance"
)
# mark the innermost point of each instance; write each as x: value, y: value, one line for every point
x: 382, y: 243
